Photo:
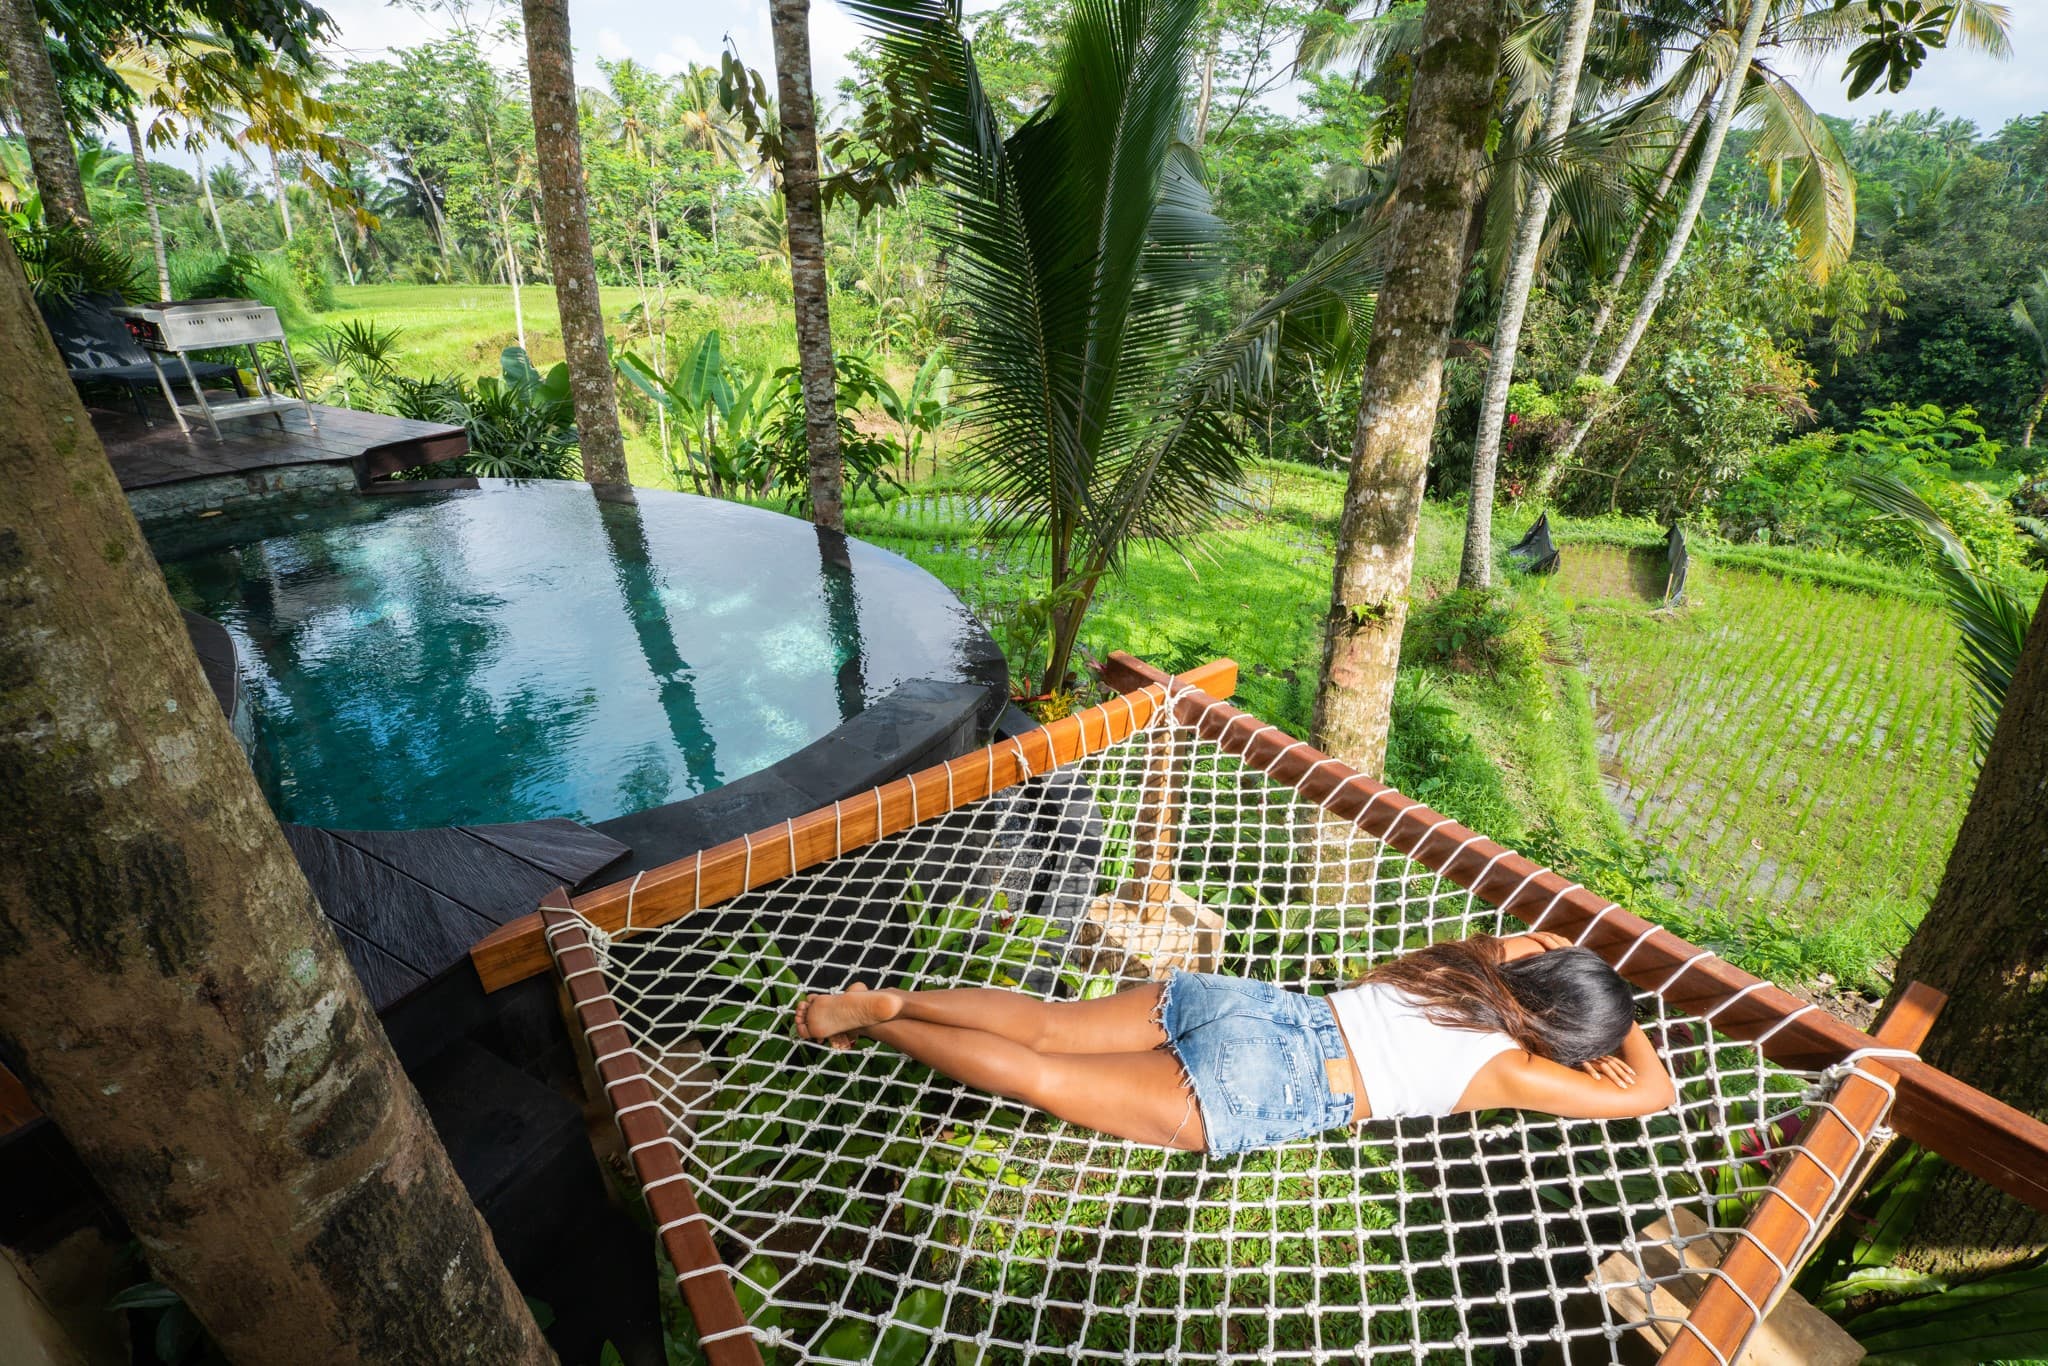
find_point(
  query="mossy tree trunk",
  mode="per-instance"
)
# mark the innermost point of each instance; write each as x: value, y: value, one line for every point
x: 33, y: 85
x: 558, y: 147
x: 790, y: 21
x: 174, y: 999
x: 1436, y: 188
x: 1985, y: 943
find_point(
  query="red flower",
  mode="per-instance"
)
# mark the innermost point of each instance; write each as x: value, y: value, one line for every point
x: 1513, y: 418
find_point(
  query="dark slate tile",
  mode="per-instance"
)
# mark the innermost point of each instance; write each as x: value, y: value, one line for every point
x: 407, y: 919
x: 568, y: 851
x: 384, y: 978
x: 459, y: 866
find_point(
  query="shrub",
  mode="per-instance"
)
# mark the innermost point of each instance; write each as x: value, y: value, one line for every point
x: 521, y: 425
x: 1474, y: 631
x: 67, y: 263
x: 307, y: 257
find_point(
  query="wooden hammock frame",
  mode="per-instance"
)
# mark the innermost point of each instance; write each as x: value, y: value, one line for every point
x: 1976, y: 1132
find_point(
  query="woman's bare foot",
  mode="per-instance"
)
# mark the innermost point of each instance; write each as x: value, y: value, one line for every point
x: 835, y: 1019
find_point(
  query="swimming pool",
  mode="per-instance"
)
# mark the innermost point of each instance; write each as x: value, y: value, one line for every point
x: 522, y: 651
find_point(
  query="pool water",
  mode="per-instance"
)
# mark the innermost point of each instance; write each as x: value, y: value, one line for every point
x: 515, y: 652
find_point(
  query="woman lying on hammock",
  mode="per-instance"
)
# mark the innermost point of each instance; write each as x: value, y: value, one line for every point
x: 1230, y: 1064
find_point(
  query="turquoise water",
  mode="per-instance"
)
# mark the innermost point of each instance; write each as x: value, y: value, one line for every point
x: 516, y: 652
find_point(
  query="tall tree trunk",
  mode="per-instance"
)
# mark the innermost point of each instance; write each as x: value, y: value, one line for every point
x: 1688, y: 216
x: 212, y: 206
x: 146, y: 184
x: 558, y: 149
x: 1642, y: 230
x: 41, y: 108
x: 1435, y: 190
x: 284, y: 203
x: 440, y: 226
x: 2034, y: 419
x: 348, y: 262
x: 1985, y: 942
x: 1206, y: 94
x: 512, y: 273
x: 174, y: 999
x: 1476, y: 569
x: 790, y: 22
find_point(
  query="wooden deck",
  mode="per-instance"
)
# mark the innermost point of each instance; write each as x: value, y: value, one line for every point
x: 374, y: 444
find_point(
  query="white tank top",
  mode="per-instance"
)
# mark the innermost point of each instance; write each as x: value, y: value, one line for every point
x: 1409, y: 1065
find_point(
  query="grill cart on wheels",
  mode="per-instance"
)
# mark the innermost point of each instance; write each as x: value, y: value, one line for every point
x: 183, y: 326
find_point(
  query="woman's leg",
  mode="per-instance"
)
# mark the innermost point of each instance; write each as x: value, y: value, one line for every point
x: 1139, y: 1096
x: 1122, y: 1023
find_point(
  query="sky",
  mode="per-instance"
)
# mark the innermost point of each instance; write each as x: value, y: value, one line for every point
x: 670, y: 34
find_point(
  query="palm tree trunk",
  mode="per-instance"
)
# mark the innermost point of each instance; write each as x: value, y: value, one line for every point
x: 1983, y: 942
x: 1688, y: 216
x: 2034, y: 420
x: 147, y: 186
x: 1449, y: 107
x: 212, y: 207
x: 1635, y: 240
x: 284, y: 206
x: 790, y: 22
x: 433, y: 211
x: 558, y: 153
x: 40, y: 108
x: 1207, y: 92
x: 175, y: 1001
x: 341, y: 247
x: 1476, y: 569
x: 510, y: 257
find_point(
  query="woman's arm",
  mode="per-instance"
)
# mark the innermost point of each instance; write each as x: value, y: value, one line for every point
x: 1527, y: 1082
x: 1529, y: 945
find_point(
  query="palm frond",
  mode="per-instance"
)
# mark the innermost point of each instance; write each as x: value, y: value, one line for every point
x: 1820, y: 204
x: 1989, y: 616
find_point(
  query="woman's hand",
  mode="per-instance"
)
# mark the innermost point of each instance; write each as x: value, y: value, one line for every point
x: 1530, y: 944
x: 1610, y: 1068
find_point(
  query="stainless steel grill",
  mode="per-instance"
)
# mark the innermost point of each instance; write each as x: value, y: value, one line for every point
x: 182, y: 326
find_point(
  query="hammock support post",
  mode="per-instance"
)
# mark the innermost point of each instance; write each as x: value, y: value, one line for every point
x: 1829, y: 1162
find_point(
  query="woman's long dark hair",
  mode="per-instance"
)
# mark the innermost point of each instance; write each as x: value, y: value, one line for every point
x: 1564, y: 1004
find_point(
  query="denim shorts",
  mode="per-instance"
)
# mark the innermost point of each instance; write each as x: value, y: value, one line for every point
x: 1254, y: 1054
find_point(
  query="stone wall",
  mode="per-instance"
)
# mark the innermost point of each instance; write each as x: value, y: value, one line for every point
x: 222, y: 492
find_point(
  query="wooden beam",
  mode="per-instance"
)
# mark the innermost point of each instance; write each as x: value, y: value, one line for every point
x: 656, y: 1151
x: 518, y: 950
x: 1128, y: 673
x: 1976, y: 1132
x: 17, y: 1111
x: 1795, y: 1208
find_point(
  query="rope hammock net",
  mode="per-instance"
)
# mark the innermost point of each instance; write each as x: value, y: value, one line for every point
x: 834, y: 1206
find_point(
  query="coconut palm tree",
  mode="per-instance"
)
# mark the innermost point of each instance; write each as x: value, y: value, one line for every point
x: 1476, y: 568
x: 2030, y: 316
x: 789, y: 22
x: 558, y: 147
x: 1820, y: 201
x: 1077, y: 243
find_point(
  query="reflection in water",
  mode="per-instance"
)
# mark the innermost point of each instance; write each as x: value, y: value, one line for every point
x: 511, y: 653
x: 640, y: 589
x: 842, y: 615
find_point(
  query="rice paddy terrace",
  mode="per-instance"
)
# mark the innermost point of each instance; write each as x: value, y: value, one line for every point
x: 1793, y: 746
